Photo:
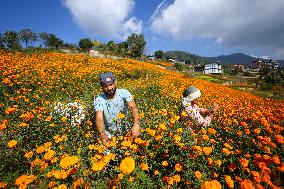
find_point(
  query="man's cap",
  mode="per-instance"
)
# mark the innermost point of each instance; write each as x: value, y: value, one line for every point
x: 106, y: 78
x: 191, y: 93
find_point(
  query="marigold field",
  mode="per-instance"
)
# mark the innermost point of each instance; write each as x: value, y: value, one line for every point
x: 48, y: 140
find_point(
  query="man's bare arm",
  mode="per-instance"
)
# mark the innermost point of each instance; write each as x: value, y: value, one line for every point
x: 135, y: 130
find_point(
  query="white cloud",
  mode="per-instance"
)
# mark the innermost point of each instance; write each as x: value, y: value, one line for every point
x: 254, y: 23
x: 104, y: 18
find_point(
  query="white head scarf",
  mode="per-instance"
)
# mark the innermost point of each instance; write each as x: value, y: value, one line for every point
x: 186, y: 101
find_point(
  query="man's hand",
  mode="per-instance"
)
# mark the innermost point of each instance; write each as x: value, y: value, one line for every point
x: 135, y: 130
x: 104, y: 139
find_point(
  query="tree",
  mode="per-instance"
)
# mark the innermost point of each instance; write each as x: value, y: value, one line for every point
x: 122, y: 48
x: 2, y: 45
x: 50, y: 40
x: 159, y: 54
x: 27, y: 36
x: 11, y: 40
x: 111, y: 46
x: 85, y: 44
x: 136, y: 45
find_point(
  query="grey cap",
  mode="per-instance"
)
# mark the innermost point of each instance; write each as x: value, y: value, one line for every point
x: 189, y: 90
x: 106, y: 78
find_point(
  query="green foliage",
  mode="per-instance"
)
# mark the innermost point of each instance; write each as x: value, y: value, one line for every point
x: 271, y: 77
x: 2, y: 45
x: 85, y: 44
x: 181, y: 67
x: 51, y: 41
x: 159, y: 54
x: 186, y: 57
x: 11, y: 40
x: 136, y: 45
x: 27, y: 36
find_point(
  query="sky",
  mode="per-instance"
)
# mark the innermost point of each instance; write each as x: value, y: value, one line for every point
x: 206, y: 28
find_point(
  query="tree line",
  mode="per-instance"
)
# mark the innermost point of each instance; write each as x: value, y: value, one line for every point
x: 134, y: 46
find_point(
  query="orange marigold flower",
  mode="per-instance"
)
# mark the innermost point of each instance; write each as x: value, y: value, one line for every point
x: 207, y: 150
x: 197, y: 175
x: 144, y: 166
x: 29, y: 154
x: 244, y: 162
x: 212, y: 184
x: 98, y: 166
x: 68, y: 161
x: 156, y: 172
x: 127, y: 165
x: 24, y: 180
x: 178, y: 167
x: 49, y: 154
x: 229, y: 182
x: 12, y: 143
x: 40, y: 149
x: 176, y: 178
x: 246, y: 184
x: 3, y: 185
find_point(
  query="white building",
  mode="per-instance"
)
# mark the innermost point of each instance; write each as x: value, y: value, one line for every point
x: 213, y: 68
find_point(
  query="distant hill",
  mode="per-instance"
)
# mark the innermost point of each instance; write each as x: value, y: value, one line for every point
x: 238, y: 58
x: 186, y: 57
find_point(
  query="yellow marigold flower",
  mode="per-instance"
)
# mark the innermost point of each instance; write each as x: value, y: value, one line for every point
x: 177, y: 138
x: 12, y: 143
x: 48, y: 118
x: 197, y: 175
x: 127, y: 165
x: 60, y: 174
x: 207, y: 150
x: 205, y: 137
x: 47, y: 145
x: 179, y: 130
x: 24, y: 180
x: 131, y: 179
x: 126, y: 143
x: 229, y: 182
x: 165, y: 163
x: 68, y: 161
x: 120, y: 176
x: 121, y: 116
x: 176, y: 178
x: 62, y: 186
x: 218, y: 162
x: 178, y: 167
x: 144, y: 166
x: 212, y: 184
x: 162, y: 127
x: 91, y: 146
x: 40, y: 149
x: 183, y: 114
x: 49, y: 154
x: 64, y: 118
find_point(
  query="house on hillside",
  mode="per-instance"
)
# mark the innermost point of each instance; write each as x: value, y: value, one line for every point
x: 259, y: 64
x: 213, y: 68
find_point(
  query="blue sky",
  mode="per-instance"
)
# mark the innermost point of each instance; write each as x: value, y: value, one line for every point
x: 205, y: 28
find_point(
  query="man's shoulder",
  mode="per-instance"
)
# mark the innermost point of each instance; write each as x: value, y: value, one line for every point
x: 122, y: 91
x: 100, y: 97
